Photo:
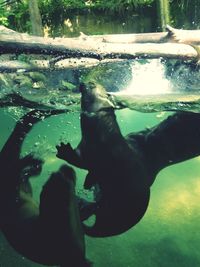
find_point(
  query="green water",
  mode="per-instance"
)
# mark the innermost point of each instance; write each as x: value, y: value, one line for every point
x: 168, y: 235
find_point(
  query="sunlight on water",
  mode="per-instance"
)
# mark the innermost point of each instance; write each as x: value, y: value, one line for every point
x: 185, y: 203
x: 148, y: 79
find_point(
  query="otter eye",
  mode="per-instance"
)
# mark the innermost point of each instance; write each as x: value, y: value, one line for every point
x: 91, y: 85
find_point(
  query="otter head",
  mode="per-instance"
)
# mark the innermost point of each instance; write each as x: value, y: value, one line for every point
x: 94, y: 97
x: 56, y: 193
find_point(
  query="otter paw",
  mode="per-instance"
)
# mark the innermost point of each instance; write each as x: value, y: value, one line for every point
x: 31, y: 165
x: 64, y: 151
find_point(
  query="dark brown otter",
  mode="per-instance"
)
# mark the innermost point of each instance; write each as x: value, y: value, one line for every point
x: 49, y: 233
x: 124, y: 168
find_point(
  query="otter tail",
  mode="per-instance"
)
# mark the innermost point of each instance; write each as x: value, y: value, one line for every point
x: 116, y: 219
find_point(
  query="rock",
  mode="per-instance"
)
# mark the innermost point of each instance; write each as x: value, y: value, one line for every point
x: 37, y: 77
x: 67, y: 86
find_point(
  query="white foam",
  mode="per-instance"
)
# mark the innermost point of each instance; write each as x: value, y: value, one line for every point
x: 148, y: 79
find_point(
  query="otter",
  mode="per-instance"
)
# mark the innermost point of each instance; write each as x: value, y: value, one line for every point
x: 50, y: 232
x: 124, y: 168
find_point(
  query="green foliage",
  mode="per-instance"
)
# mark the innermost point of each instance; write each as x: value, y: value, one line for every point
x: 120, y: 5
x: 188, y: 15
x: 53, y: 11
x: 4, y: 14
x: 3, y: 20
x: 23, y: 58
x: 78, y: 4
x: 16, y: 14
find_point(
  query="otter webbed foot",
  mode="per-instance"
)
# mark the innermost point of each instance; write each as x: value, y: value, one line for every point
x: 67, y: 153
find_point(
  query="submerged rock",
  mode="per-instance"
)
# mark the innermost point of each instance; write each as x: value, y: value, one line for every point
x: 37, y: 76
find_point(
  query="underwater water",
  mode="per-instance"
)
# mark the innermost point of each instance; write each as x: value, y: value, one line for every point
x: 168, y: 234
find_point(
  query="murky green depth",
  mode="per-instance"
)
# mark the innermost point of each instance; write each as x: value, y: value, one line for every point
x: 167, y: 235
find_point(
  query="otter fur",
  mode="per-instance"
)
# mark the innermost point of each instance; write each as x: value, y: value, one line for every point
x: 124, y: 168
x: 50, y: 232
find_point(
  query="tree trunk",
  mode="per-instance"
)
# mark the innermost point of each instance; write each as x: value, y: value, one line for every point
x: 163, y: 11
x: 35, y: 18
x: 176, y: 44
